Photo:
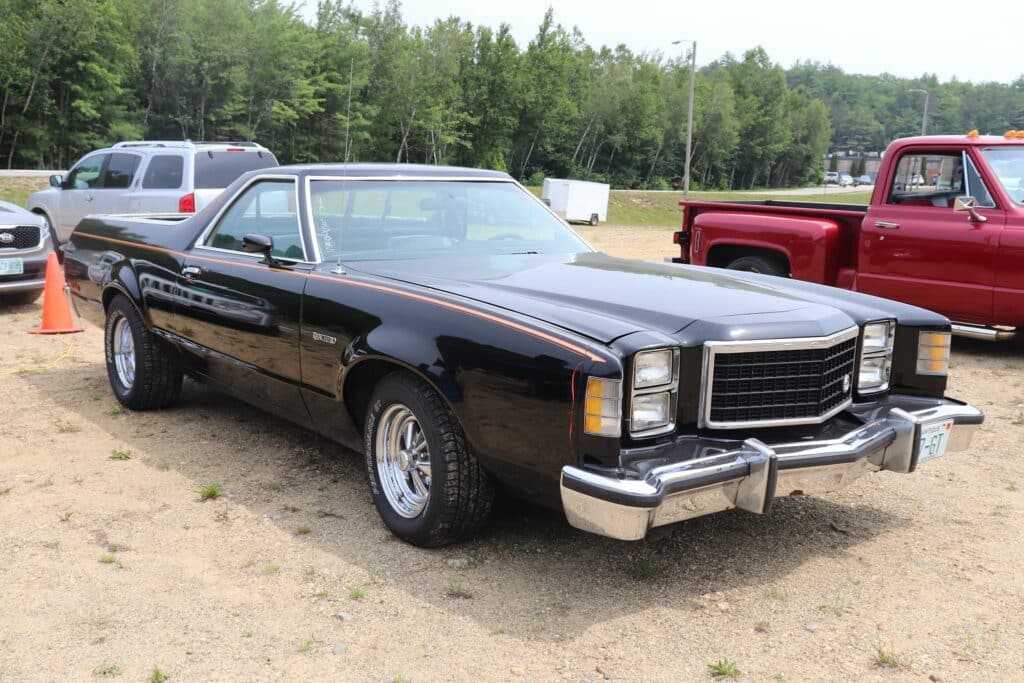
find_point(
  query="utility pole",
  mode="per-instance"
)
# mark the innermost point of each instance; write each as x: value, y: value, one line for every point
x: 689, y: 116
x: 924, y: 116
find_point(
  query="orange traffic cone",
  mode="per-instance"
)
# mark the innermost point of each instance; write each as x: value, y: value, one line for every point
x: 57, y: 317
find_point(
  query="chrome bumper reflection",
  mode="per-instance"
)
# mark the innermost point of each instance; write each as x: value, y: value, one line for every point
x: 750, y: 476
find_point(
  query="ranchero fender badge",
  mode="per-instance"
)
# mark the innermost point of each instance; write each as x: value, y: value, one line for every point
x: 325, y: 338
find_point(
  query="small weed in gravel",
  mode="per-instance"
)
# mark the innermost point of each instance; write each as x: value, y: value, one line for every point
x: 107, y: 671
x: 646, y: 569
x: 889, y: 659
x: 158, y: 676
x: 837, y: 606
x: 64, y: 516
x: 271, y: 569
x: 302, y: 530
x: 723, y: 668
x: 107, y: 558
x: 51, y: 545
x: 65, y: 427
x: 120, y: 454
x: 163, y: 466
x: 761, y: 627
x: 377, y: 572
x: 1011, y: 486
x: 307, y: 644
x: 222, y: 515
x: 454, y: 590
x: 210, y: 491
x: 356, y: 592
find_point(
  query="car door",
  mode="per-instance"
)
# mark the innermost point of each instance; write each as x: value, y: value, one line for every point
x: 78, y: 193
x: 240, y: 312
x: 118, y: 175
x: 915, y: 248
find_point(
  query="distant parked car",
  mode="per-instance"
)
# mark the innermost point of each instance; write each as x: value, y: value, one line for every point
x: 24, y: 247
x: 863, y: 180
x: 148, y: 176
x: 831, y: 177
x: 845, y: 180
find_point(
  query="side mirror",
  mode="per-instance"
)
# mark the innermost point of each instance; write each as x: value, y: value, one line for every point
x: 969, y: 205
x: 254, y: 243
x: 56, y: 180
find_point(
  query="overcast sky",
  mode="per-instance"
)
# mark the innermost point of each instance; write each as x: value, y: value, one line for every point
x: 975, y: 41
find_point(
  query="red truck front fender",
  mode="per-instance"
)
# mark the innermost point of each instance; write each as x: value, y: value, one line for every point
x: 809, y: 244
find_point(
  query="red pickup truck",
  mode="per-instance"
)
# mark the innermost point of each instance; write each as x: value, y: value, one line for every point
x: 944, y: 230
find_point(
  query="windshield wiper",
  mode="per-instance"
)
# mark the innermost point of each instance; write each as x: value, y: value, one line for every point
x: 519, y: 253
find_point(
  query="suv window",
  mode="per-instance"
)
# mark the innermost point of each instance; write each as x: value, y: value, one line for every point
x: 164, y: 172
x: 266, y: 208
x: 120, y: 171
x: 87, y: 174
x: 217, y: 170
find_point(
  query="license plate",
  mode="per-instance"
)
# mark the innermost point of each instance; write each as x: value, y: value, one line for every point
x: 12, y: 266
x: 933, y: 441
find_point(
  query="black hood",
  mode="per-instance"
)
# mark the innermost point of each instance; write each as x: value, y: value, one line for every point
x: 605, y: 298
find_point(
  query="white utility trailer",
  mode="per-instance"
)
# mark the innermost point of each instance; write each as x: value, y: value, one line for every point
x: 577, y: 200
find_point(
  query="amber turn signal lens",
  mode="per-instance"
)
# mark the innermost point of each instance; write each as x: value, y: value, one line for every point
x: 602, y: 407
x: 933, y: 353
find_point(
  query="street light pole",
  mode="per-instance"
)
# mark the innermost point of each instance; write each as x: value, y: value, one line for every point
x: 689, y: 116
x: 924, y: 116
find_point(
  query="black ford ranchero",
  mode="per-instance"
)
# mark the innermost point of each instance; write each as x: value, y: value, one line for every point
x: 444, y: 322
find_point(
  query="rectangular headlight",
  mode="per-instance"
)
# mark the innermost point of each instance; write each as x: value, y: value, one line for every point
x: 653, y: 368
x: 933, y: 353
x: 602, y: 407
x: 876, y: 357
x: 651, y: 411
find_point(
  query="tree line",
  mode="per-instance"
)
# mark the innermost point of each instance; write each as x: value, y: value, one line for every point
x: 347, y: 85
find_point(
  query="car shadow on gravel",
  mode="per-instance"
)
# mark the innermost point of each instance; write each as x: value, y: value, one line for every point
x: 528, y: 575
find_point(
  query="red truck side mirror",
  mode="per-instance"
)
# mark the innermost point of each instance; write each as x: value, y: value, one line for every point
x: 969, y: 205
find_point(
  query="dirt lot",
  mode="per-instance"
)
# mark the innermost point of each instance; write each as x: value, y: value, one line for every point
x: 112, y: 565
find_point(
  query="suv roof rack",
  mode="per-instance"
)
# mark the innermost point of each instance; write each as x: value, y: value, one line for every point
x: 189, y: 144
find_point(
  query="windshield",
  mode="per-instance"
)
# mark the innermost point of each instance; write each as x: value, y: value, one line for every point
x: 358, y: 220
x: 1007, y: 164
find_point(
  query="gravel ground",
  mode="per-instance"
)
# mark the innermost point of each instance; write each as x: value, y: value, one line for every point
x: 112, y: 565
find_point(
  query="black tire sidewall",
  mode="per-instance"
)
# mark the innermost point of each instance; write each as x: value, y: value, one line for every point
x: 757, y: 264
x: 397, y: 388
x: 118, y: 309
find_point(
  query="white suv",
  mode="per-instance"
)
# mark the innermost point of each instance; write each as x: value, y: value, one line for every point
x: 150, y: 176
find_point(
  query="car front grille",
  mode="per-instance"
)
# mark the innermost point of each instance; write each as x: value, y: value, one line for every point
x: 21, y: 237
x: 775, y: 383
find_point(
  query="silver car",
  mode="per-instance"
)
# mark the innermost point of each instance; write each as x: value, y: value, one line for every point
x: 24, y: 246
x: 151, y: 176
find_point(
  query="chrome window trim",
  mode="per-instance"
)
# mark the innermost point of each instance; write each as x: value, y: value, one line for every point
x: 309, y: 179
x: 713, y: 348
x: 672, y: 386
x: 211, y: 227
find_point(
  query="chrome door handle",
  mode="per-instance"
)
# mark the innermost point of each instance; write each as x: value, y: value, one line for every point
x: 886, y: 225
x: 191, y: 272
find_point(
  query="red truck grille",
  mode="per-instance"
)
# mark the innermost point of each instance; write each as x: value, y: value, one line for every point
x: 779, y: 382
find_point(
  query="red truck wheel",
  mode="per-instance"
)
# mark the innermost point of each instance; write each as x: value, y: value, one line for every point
x: 759, y: 264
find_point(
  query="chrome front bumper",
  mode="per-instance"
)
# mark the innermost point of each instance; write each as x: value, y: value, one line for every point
x: 750, y: 475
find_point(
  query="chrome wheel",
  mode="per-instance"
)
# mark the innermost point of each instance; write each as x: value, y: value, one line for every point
x: 123, y: 344
x: 403, y: 461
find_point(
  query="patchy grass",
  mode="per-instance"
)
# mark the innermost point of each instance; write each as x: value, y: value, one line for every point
x: 454, y: 590
x: 271, y: 569
x: 120, y: 454
x: 837, y: 606
x: 16, y: 190
x: 723, y: 668
x: 356, y: 592
x: 889, y: 659
x: 377, y: 572
x: 163, y: 466
x: 65, y: 427
x: 158, y: 676
x: 644, y: 208
x: 302, y: 530
x: 210, y: 491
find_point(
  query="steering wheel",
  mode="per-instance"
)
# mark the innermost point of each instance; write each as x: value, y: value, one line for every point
x: 506, y: 236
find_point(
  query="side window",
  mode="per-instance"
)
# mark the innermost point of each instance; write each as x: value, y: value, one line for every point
x: 928, y: 179
x: 267, y: 207
x: 120, y: 171
x: 164, y: 172
x: 975, y: 187
x: 87, y: 174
